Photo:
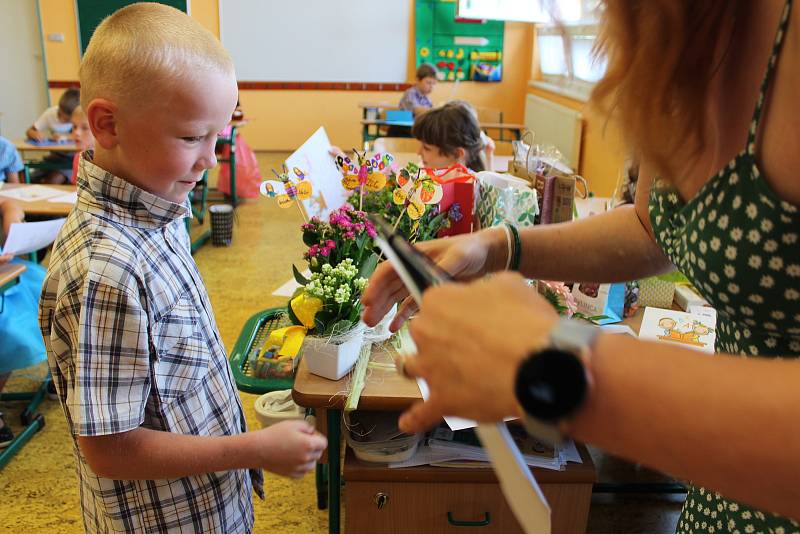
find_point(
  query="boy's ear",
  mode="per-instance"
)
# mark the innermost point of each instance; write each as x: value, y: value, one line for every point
x: 102, y: 116
x: 461, y: 154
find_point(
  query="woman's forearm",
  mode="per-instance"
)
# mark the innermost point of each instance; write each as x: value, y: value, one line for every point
x: 610, y: 247
x: 688, y: 414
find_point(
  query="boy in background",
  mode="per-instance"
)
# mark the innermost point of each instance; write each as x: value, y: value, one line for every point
x: 54, y: 124
x: 82, y: 137
x: 416, y: 98
x: 10, y: 162
x: 158, y: 427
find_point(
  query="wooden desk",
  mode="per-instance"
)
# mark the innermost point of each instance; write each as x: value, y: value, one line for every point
x: 367, y: 136
x: 43, y: 208
x: 500, y: 163
x: 9, y: 275
x: 24, y: 146
x: 386, y: 390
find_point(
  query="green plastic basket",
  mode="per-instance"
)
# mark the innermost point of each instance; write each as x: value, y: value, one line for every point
x: 255, y: 331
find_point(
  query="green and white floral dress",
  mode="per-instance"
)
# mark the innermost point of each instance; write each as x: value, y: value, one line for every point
x: 737, y: 241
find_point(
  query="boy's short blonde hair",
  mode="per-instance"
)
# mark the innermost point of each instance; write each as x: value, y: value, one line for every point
x: 142, y: 48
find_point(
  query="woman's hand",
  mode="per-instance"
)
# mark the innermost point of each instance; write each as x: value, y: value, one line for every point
x: 471, y: 338
x: 464, y: 257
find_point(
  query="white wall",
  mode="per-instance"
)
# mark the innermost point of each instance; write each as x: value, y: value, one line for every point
x: 23, y: 86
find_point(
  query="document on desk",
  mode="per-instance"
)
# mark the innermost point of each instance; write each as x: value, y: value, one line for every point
x: 66, y: 198
x: 31, y: 193
x: 316, y: 162
x: 24, y: 238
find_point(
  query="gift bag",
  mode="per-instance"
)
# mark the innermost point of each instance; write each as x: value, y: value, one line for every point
x: 659, y: 291
x: 504, y: 198
x: 602, y: 303
x: 248, y: 175
x: 458, y: 187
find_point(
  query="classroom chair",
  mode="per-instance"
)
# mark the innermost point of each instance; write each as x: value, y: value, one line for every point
x: 395, y: 144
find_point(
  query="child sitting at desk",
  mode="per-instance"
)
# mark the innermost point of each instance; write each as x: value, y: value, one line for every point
x: 82, y: 137
x: 54, y: 124
x: 10, y: 162
x: 159, y: 432
x: 415, y: 99
x: 450, y: 134
x: 21, y: 344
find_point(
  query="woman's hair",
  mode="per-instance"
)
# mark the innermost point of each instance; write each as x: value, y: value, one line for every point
x: 450, y: 127
x: 661, y: 57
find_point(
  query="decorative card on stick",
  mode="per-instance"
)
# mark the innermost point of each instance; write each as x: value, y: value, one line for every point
x: 328, y: 192
x: 696, y: 330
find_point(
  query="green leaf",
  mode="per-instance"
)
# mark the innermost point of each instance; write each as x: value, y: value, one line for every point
x: 368, y: 267
x: 298, y: 276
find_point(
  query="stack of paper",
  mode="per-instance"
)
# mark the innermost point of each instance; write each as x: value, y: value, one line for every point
x: 462, y: 448
x: 24, y: 238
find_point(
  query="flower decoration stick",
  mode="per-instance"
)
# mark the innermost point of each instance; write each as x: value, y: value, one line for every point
x: 285, y: 191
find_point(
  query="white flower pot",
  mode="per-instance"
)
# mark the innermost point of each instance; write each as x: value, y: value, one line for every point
x: 332, y: 360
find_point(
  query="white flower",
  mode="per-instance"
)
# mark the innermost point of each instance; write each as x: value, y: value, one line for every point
x: 776, y: 263
x: 733, y: 288
x: 730, y: 252
x: 793, y: 270
x: 701, y: 224
x: 737, y: 201
x: 791, y: 294
x: 723, y: 222
x: 756, y: 299
x: 703, y: 246
x: 789, y: 239
x: 767, y: 281
x: 752, y: 210
x: 754, y: 261
x: 770, y: 245
x: 733, y: 179
x: 715, y: 244
x: 730, y: 271
x: 723, y: 297
x: 714, y: 277
x: 693, y: 237
x: 777, y: 314
x: 712, y: 215
x: 766, y: 225
x: 754, y: 236
x: 702, y: 264
x: 770, y: 326
x: 736, y: 233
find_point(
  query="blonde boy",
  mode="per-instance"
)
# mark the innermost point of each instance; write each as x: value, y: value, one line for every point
x: 159, y: 433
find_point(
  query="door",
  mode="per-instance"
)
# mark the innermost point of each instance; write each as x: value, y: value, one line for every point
x: 23, y: 86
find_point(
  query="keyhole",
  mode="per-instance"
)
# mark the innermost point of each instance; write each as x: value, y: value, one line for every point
x: 381, y: 499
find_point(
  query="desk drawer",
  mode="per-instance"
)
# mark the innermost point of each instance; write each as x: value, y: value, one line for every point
x: 426, y: 507
x: 421, y: 507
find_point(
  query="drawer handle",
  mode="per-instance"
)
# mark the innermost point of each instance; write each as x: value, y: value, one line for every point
x: 487, y: 518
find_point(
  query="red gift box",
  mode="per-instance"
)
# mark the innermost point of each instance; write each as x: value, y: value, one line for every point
x: 458, y: 186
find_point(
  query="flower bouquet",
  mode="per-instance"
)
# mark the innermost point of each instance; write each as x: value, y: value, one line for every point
x: 341, y: 258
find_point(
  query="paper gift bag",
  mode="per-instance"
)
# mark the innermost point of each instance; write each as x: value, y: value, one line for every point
x: 503, y: 198
x: 656, y: 292
x: 458, y: 187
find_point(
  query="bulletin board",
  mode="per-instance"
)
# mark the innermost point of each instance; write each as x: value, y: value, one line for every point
x: 461, y: 49
x: 92, y: 12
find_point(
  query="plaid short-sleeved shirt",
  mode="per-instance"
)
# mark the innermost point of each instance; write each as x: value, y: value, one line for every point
x: 131, y: 341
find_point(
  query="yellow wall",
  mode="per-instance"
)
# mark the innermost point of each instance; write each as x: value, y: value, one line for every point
x: 282, y: 120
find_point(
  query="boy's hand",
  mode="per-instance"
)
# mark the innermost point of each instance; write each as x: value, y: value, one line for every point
x: 36, y: 135
x: 290, y: 448
x: 5, y: 258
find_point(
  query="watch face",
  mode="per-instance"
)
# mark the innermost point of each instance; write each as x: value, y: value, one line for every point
x: 551, y: 384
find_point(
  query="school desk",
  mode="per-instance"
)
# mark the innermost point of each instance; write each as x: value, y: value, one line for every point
x: 43, y: 208
x: 569, y: 491
x: 33, y: 422
x: 25, y: 146
x: 499, y: 163
x: 368, y: 135
x: 9, y: 277
x: 231, y: 159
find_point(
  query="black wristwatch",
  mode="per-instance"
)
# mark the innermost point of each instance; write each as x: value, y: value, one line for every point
x: 552, y: 383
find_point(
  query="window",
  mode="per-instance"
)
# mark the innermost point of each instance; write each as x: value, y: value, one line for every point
x: 566, y: 64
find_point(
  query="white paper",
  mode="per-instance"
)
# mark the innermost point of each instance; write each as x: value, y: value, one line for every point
x: 67, y: 198
x: 288, y: 288
x: 24, y: 238
x: 689, y: 330
x: 31, y: 193
x: 316, y: 162
x: 617, y: 329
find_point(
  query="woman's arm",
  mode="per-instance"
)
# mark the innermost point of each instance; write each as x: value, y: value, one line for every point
x: 614, y: 246
x: 724, y: 422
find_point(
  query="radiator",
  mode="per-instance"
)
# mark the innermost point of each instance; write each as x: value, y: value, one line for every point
x: 557, y: 125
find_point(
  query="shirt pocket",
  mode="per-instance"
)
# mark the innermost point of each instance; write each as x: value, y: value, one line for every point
x: 181, y: 350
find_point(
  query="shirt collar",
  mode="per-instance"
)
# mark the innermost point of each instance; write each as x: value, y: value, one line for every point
x: 106, y: 195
